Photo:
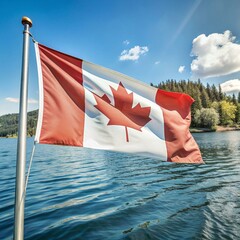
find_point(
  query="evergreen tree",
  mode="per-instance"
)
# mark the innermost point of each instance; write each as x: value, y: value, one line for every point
x: 205, y: 99
x: 214, y: 93
x: 221, y: 96
x: 197, y: 105
x: 199, y: 84
x: 234, y: 100
x: 208, y: 90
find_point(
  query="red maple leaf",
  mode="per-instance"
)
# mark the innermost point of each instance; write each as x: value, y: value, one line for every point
x: 122, y: 113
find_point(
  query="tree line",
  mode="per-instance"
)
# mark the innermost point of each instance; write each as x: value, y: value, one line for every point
x: 9, y: 124
x: 212, y: 107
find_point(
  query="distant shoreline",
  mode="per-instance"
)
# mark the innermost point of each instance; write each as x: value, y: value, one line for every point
x: 15, y: 136
x: 192, y: 130
x: 218, y: 129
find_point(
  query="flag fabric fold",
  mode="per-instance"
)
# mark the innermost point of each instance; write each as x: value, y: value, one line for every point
x: 86, y: 105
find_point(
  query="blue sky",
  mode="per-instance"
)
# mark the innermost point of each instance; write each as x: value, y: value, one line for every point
x: 150, y: 40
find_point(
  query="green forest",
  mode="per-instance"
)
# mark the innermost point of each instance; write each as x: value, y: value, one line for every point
x: 212, y: 107
x: 9, y: 124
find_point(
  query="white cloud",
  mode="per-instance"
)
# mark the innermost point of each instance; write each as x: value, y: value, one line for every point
x: 10, y: 99
x: 181, y: 69
x: 231, y: 86
x: 133, y: 54
x: 126, y: 42
x: 157, y: 62
x: 16, y: 100
x: 216, y: 55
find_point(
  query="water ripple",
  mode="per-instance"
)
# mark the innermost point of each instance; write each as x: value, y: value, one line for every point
x: 77, y: 193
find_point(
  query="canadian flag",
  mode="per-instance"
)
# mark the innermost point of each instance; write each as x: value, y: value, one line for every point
x: 86, y: 105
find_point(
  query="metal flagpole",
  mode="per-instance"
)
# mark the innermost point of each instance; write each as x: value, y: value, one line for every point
x: 22, y: 135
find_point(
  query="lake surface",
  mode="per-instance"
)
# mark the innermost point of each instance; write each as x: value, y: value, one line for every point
x: 76, y: 193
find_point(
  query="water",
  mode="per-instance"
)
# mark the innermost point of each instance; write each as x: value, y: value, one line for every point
x: 76, y: 193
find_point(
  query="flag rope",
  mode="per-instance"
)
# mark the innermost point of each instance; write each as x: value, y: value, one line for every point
x: 28, y: 173
x: 33, y: 39
x: 29, y: 167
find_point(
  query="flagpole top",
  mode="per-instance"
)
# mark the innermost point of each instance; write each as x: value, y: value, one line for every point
x: 26, y: 20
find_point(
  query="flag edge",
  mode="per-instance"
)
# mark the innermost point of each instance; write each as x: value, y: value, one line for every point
x: 40, y: 88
